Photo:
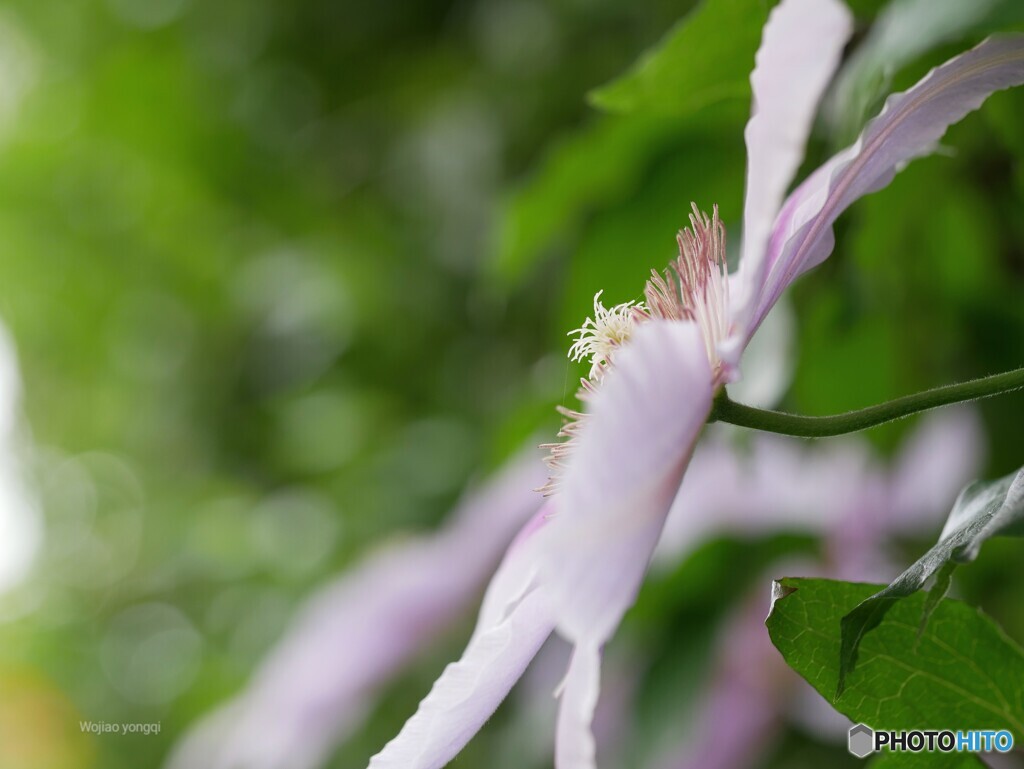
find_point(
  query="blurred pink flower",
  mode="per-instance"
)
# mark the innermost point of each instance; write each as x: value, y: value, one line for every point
x: 837, y: 489
x: 357, y: 633
x: 656, y: 368
x: 752, y: 691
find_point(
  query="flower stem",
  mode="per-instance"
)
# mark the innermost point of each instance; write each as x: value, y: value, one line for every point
x: 734, y: 413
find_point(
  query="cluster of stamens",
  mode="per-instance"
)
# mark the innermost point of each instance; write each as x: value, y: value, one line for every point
x: 600, y: 336
x: 694, y: 287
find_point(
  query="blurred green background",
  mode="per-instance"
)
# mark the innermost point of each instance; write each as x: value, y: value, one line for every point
x: 282, y: 278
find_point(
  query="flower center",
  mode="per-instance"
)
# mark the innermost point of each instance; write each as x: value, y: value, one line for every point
x: 694, y: 287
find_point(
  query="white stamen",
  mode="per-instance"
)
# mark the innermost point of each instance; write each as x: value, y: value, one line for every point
x: 601, y: 335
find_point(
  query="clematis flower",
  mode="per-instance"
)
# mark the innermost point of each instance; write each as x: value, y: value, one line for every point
x: 304, y: 698
x: 576, y: 568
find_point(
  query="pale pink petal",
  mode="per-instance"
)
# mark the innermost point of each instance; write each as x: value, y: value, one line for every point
x: 470, y: 690
x: 357, y: 633
x: 517, y: 573
x: 621, y: 479
x: 623, y: 475
x: 515, y: 620
x: 574, y: 742
x: 909, y: 126
x: 801, y: 47
x: 940, y: 457
x: 535, y: 711
x: 655, y: 400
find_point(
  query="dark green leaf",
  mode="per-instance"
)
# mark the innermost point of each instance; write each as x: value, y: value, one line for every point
x: 963, y: 670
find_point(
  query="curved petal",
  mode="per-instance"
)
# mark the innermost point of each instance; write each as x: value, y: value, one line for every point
x: 909, y: 126
x: 617, y: 489
x: 801, y: 47
x: 470, y: 690
x: 306, y: 696
x: 515, y: 620
x: 622, y: 477
x: 574, y: 742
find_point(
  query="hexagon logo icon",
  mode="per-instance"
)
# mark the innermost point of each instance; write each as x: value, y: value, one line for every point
x: 861, y: 740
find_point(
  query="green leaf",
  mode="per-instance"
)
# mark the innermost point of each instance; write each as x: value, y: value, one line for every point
x: 962, y: 672
x: 982, y: 510
x: 706, y: 58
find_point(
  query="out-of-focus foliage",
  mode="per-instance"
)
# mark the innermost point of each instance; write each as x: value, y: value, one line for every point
x: 905, y: 30
x: 283, y: 277
x: 596, y: 166
x: 695, y: 65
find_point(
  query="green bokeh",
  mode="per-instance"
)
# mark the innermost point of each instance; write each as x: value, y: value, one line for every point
x: 284, y: 277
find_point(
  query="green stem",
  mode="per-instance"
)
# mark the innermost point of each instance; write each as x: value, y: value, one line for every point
x: 734, y: 413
